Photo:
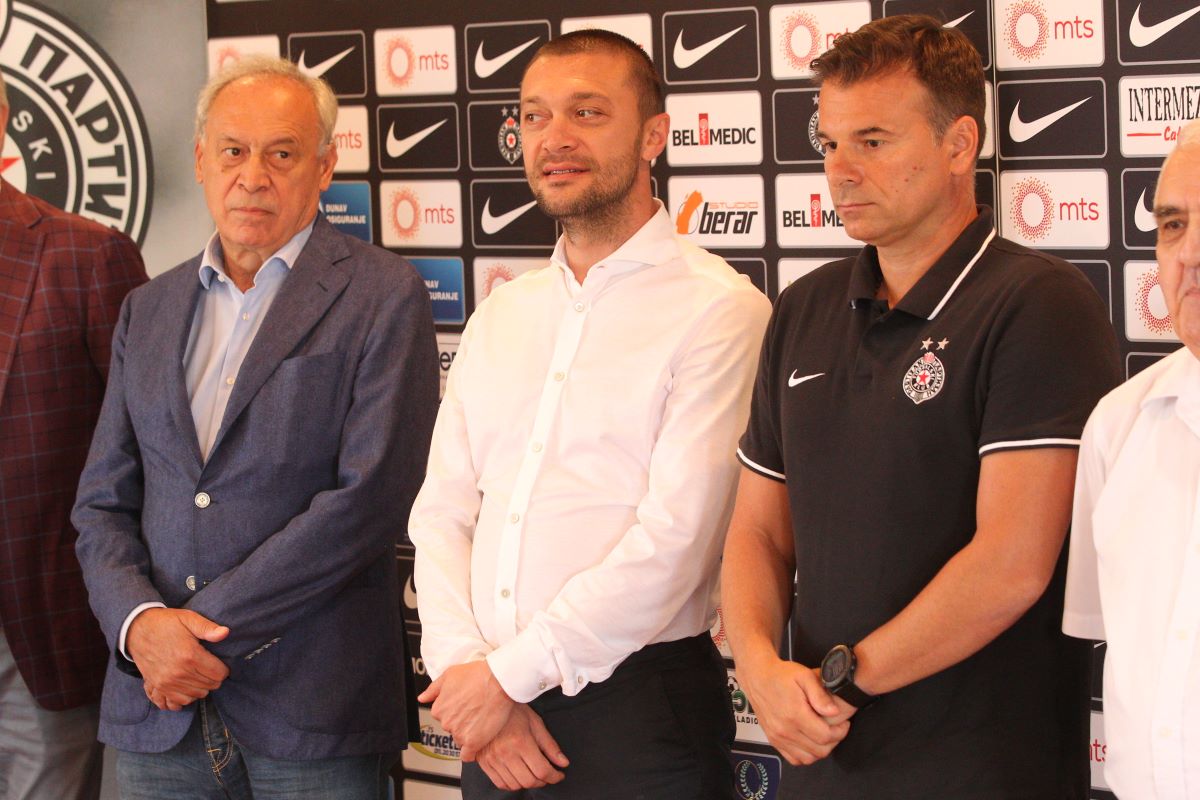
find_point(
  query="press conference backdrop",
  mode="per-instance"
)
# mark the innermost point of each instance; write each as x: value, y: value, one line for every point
x: 1085, y: 97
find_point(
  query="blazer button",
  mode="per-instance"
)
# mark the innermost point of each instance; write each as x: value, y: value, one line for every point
x: 190, y: 583
x: 203, y: 500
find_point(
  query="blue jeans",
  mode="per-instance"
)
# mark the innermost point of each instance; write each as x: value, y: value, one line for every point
x: 209, y: 764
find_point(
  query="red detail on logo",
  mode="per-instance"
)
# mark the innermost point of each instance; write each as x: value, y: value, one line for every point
x: 399, y: 48
x: 814, y: 210
x: 1017, y: 12
x: 5, y: 163
x: 704, y: 129
x: 405, y: 216
x: 787, y: 39
x: 1039, y: 229
x: 1154, y: 323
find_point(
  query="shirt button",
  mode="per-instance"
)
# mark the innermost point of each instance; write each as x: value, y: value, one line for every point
x: 579, y: 306
x: 1165, y: 733
x: 203, y: 500
x: 558, y: 376
x: 245, y: 316
x: 190, y: 583
x: 579, y: 679
x: 505, y: 593
x: 541, y: 685
x: 229, y: 381
x: 1181, y: 635
x: 537, y: 447
x: 514, y: 517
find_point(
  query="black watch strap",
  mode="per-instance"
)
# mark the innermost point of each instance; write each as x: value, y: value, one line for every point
x: 837, y: 674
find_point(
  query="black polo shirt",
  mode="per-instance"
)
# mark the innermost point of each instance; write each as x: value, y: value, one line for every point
x: 877, y: 420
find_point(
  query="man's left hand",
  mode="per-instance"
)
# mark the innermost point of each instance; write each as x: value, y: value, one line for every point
x: 470, y: 704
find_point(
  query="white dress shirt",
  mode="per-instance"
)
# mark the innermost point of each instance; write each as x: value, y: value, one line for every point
x: 1134, y: 576
x: 580, y: 480
x: 224, y: 325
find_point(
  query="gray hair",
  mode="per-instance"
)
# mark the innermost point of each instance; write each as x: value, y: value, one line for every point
x: 257, y: 66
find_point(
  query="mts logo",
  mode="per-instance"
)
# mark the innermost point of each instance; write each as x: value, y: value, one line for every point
x: 698, y: 216
x: 348, y: 140
x: 433, y: 62
x: 1080, y: 210
x: 1074, y: 28
x: 438, y: 215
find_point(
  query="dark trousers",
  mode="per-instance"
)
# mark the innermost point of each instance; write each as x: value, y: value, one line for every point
x: 660, y: 728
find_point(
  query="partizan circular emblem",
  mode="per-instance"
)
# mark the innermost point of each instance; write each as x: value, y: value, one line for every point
x: 75, y: 134
x: 508, y: 138
x: 924, y: 378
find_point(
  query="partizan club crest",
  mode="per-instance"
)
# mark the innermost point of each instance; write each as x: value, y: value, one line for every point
x: 926, y: 376
x: 509, y: 136
x: 75, y: 133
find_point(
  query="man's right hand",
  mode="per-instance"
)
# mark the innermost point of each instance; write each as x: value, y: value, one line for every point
x: 800, y: 718
x: 177, y: 669
x: 523, y: 755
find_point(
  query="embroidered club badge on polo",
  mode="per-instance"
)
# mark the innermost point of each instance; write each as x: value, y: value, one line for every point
x: 924, y: 378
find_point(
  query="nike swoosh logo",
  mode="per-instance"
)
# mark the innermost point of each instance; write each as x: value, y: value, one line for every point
x: 1022, y: 131
x: 410, y: 593
x: 493, y: 225
x: 954, y: 23
x: 398, y: 147
x: 1143, y: 217
x: 317, y: 70
x: 487, y: 67
x: 1142, y: 35
x: 686, y: 56
x: 794, y: 381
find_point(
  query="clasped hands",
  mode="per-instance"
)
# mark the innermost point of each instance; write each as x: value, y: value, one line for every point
x: 507, y: 738
x: 176, y: 668
x: 802, y: 720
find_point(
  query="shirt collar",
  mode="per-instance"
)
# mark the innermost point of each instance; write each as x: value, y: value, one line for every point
x: 935, y: 288
x: 213, y: 260
x: 1180, y: 379
x: 653, y: 243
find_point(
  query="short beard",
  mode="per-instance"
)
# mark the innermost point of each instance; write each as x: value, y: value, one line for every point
x: 590, y: 214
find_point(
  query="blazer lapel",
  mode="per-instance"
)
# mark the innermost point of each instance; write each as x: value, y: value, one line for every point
x: 310, y: 288
x: 20, y: 253
x: 174, y: 320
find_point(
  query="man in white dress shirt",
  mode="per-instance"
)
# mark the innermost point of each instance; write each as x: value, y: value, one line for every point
x: 1134, y: 575
x: 570, y: 525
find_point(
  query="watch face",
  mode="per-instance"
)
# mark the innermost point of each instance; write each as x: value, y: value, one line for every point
x: 834, y: 666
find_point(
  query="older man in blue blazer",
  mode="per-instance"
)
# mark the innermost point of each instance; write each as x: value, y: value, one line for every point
x: 264, y: 432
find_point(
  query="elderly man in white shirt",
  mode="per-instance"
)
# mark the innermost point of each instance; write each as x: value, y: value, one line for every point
x: 1134, y: 572
x: 570, y: 526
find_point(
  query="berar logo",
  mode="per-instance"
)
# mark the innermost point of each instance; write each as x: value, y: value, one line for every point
x: 75, y: 134
x: 715, y: 218
x: 415, y: 61
x: 1030, y: 35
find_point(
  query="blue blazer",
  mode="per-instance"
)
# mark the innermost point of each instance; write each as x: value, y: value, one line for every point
x: 288, y: 532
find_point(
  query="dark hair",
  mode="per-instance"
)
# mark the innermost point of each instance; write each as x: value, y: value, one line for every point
x: 942, y: 59
x: 642, y: 72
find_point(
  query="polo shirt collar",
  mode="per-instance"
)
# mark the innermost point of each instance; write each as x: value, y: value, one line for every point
x: 935, y: 288
x: 213, y: 260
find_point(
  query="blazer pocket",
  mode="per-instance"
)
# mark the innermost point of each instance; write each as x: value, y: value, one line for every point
x: 124, y: 700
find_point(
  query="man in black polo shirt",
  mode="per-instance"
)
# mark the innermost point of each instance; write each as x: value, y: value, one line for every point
x: 910, y: 458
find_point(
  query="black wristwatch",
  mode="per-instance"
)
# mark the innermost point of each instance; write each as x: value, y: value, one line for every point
x: 837, y: 673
